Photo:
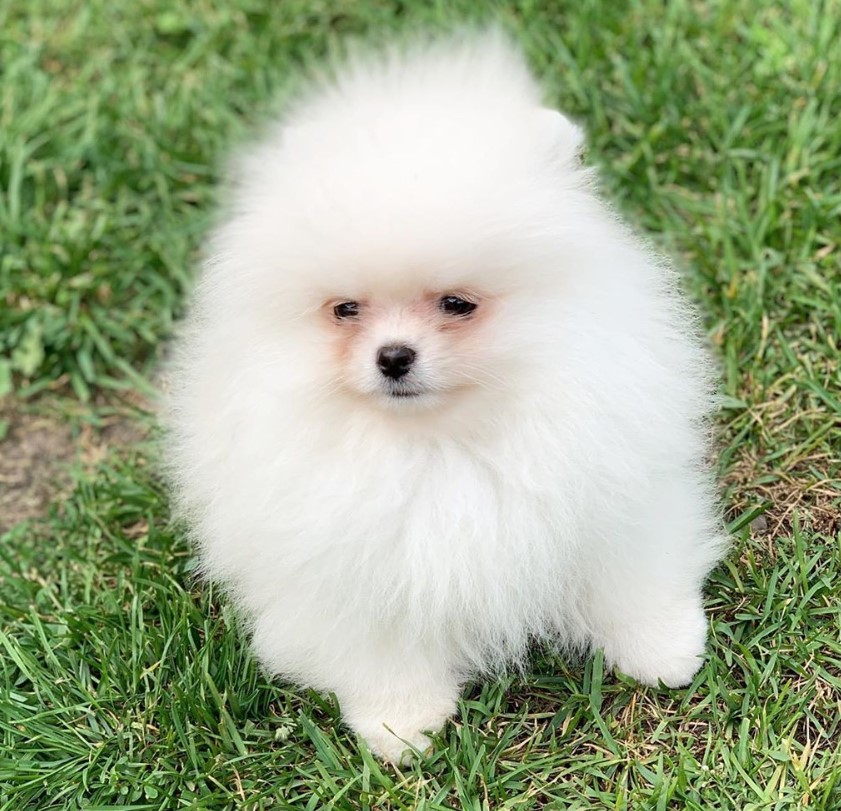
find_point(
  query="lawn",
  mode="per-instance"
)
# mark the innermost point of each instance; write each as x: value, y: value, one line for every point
x: 124, y: 682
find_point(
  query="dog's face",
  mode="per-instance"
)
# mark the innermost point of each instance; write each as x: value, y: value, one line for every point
x: 411, y: 350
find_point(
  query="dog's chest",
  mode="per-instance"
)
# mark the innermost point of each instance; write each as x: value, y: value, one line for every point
x: 432, y: 501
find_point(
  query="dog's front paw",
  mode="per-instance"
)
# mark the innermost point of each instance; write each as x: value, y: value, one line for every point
x: 395, y: 731
x: 668, y: 648
x: 396, y: 747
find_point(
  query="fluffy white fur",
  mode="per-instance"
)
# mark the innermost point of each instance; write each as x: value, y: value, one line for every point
x: 547, y: 482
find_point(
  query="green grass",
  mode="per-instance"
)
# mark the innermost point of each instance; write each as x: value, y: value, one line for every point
x: 124, y: 683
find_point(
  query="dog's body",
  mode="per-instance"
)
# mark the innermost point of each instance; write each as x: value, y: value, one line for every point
x: 434, y: 402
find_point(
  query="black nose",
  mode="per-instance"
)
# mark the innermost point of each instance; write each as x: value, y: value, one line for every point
x: 394, y: 361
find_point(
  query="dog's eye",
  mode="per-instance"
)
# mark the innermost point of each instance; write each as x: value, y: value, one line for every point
x: 346, y: 309
x: 455, y: 305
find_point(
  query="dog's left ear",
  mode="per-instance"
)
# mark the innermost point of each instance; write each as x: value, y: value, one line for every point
x: 560, y: 135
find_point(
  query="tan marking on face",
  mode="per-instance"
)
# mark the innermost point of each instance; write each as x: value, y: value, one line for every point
x: 344, y: 334
x: 464, y: 324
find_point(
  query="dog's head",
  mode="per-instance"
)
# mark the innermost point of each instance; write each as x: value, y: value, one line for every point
x: 402, y: 233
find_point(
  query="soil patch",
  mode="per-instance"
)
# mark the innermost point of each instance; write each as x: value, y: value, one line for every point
x: 42, y: 445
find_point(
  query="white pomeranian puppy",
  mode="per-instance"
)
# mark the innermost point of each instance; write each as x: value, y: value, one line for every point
x: 434, y: 401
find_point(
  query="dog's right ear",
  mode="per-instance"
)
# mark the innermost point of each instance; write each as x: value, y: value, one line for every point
x: 250, y: 163
x: 559, y: 135
x: 294, y: 135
